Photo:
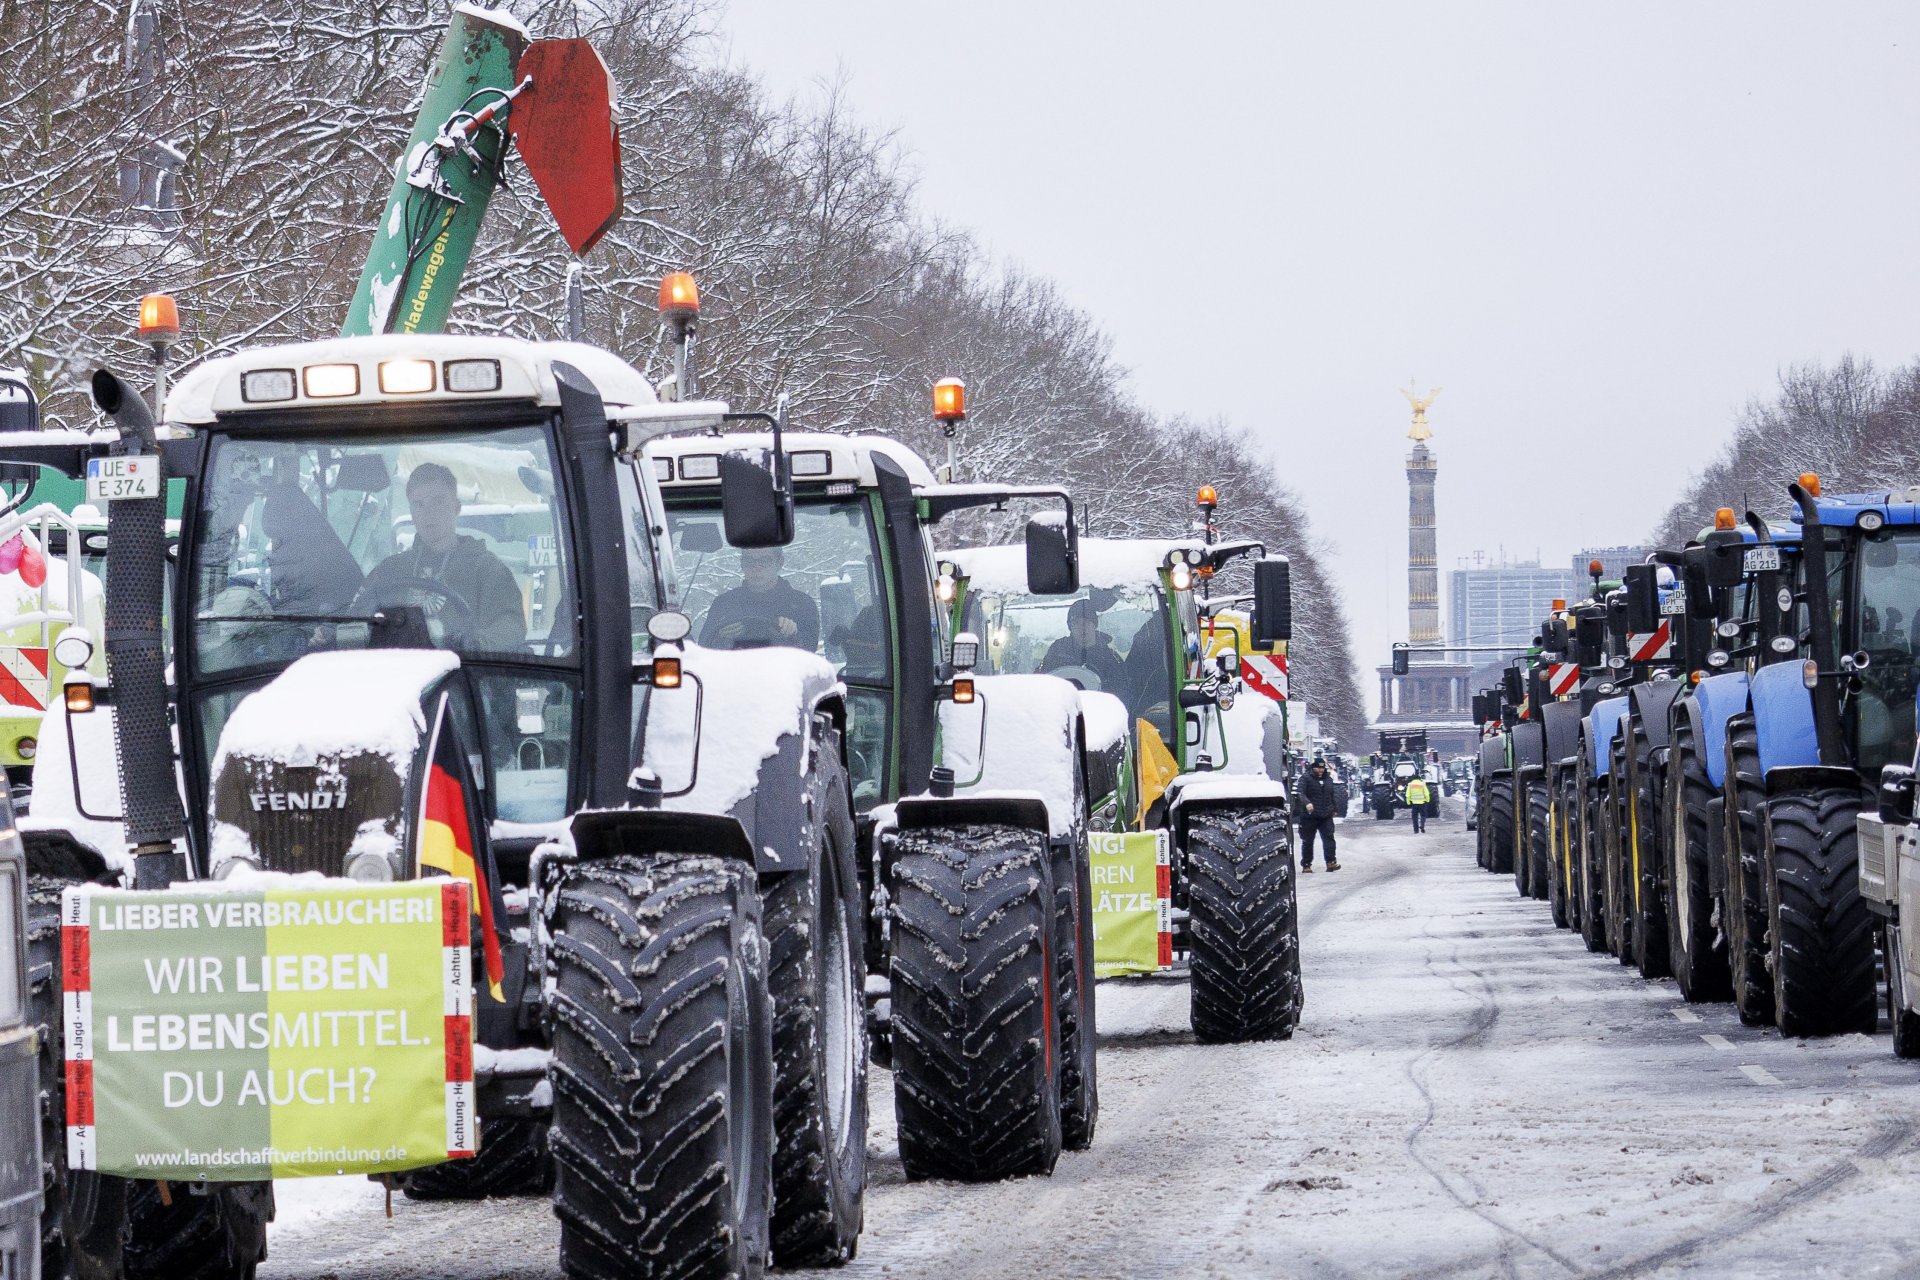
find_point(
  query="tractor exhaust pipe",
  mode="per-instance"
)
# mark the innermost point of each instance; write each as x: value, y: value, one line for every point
x: 136, y: 657
x: 1828, y: 732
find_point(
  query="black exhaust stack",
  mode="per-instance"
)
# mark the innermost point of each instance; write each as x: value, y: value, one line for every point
x: 136, y: 658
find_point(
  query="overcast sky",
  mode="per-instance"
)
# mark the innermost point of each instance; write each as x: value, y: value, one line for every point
x: 1600, y: 234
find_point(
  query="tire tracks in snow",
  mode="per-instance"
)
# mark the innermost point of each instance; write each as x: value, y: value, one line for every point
x: 1480, y: 1024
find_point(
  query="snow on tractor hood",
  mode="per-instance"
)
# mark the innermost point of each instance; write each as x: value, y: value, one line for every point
x: 331, y: 704
x: 1023, y: 725
x: 1106, y: 718
x: 1106, y: 563
x: 742, y: 704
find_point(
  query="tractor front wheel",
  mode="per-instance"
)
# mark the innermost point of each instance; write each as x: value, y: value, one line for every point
x: 1245, y: 925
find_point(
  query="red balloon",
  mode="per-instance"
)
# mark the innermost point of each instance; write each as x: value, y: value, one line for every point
x: 33, y: 567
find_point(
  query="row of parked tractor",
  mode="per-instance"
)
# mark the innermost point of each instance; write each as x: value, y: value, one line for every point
x: 1706, y: 766
x: 763, y: 777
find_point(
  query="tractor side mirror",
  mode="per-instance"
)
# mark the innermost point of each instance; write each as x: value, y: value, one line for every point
x: 1590, y: 634
x: 1726, y: 558
x: 1554, y: 636
x: 1400, y: 652
x: 1510, y: 682
x: 757, y: 508
x: 1896, y: 794
x: 1480, y: 715
x: 1272, y: 601
x: 1053, y: 555
x: 1617, y: 620
x: 1643, y: 599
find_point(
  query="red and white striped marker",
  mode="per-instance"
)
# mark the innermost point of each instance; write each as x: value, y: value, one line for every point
x: 76, y: 998
x: 1163, y: 889
x: 1562, y: 678
x: 1266, y: 673
x: 1645, y: 646
x: 456, y: 967
x: 24, y: 681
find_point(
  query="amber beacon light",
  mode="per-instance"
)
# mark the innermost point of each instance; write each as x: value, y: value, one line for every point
x: 949, y: 400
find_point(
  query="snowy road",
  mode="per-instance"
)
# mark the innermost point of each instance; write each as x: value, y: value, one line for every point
x: 1471, y: 1093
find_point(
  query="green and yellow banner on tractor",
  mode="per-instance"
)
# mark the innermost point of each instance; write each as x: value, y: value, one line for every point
x: 1132, y: 880
x: 239, y: 1034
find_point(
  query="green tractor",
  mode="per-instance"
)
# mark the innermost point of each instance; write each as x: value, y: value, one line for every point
x: 1194, y: 686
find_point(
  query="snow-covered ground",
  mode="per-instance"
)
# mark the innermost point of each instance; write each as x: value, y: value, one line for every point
x: 1470, y: 1093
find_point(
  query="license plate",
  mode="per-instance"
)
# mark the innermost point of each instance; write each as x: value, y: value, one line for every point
x: 1762, y: 559
x: 133, y: 476
x: 1675, y: 603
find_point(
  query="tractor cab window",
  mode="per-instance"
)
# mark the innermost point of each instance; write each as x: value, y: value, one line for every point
x: 452, y: 539
x: 1881, y: 710
x: 821, y: 592
x: 1113, y: 640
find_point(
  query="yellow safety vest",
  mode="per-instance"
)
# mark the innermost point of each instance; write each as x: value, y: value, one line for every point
x: 1416, y: 792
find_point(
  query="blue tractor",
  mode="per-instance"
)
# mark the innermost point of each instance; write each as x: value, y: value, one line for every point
x: 1804, y: 760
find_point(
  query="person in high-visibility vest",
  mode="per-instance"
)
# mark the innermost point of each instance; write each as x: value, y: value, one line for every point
x: 1417, y: 797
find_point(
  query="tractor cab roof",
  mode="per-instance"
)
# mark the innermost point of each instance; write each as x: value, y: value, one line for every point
x: 396, y: 369
x: 1901, y: 508
x: 693, y: 462
x: 1104, y: 562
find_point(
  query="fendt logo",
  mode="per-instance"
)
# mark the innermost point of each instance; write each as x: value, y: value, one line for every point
x: 333, y: 798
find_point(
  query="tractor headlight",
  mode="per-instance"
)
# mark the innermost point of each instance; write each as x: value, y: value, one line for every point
x: 1810, y: 673
x: 966, y: 651
x: 1781, y: 644
x: 1180, y: 577
x: 74, y: 648
x: 369, y: 867
x: 1718, y: 658
x: 25, y: 747
x: 1871, y: 521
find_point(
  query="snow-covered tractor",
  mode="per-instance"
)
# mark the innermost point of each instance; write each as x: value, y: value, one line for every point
x: 422, y: 584
x: 972, y: 794
x: 1206, y: 738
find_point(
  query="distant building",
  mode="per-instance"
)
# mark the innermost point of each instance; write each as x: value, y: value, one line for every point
x: 1502, y: 603
x: 1615, y: 560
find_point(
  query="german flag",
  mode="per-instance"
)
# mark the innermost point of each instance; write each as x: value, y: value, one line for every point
x: 448, y: 820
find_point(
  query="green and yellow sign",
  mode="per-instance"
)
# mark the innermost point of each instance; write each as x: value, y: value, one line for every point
x: 1132, y: 902
x: 238, y: 1034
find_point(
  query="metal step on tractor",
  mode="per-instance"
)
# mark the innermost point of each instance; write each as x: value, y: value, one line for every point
x: 423, y: 586
x: 973, y: 794
x: 1206, y: 737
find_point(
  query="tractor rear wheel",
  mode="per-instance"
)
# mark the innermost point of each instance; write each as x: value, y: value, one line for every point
x: 513, y: 1161
x: 1500, y: 825
x: 1611, y: 894
x: 1244, y: 924
x: 95, y: 1225
x: 1746, y: 914
x: 816, y: 975
x: 662, y: 1132
x: 1820, y: 932
x: 1587, y: 857
x: 975, y: 1035
x: 1696, y: 949
x: 1646, y: 899
x: 1074, y: 990
x: 1559, y: 901
x: 1538, y: 843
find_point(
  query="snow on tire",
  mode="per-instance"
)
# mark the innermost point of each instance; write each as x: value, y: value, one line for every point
x: 1697, y: 951
x: 1647, y: 905
x: 1500, y: 824
x: 1244, y: 922
x: 662, y: 1130
x: 975, y: 1034
x: 1538, y: 842
x: 1821, y: 935
x: 1746, y: 914
x: 1074, y: 994
x: 816, y: 933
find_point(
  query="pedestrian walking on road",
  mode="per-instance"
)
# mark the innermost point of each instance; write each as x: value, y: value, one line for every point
x: 1417, y: 797
x: 1315, y: 798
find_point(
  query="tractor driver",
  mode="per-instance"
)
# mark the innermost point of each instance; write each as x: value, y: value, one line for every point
x: 765, y: 609
x: 1086, y: 646
x: 456, y: 581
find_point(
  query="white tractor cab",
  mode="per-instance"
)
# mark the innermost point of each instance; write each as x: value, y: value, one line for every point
x: 1201, y: 683
x: 402, y: 555
x: 963, y: 785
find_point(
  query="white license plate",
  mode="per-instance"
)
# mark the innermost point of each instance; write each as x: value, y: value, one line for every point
x: 1762, y: 559
x: 133, y: 476
x: 1675, y: 603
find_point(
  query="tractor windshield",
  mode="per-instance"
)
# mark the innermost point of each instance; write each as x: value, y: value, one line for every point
x: 1114, y: 640
x: 449, y: 538
x: 1882, y: 708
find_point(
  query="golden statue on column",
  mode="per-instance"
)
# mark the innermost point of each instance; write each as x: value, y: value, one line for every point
x: 1419, y: 430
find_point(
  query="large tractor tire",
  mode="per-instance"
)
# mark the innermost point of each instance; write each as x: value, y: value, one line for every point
x: 1482, y: 835
x: 1745, y: 918
x: 975, y: 1036
x: 662, y: 1132
x: 1906, y: 1024
x: 1696, y: 948
x: 513, y: 1161
x: 816, y: 976
x: 1539, y: 839
x: 1244, y: 923
x: 1587, y: 854
x: 1559, y: 902
x: 1611, y: 889
x: 1499, y: 821
x: 97, y: 1227
x: 1074, y: 988
x: 1821, y: 933
x: 1646, y: 895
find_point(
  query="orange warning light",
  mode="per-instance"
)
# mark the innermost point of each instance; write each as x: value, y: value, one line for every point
x: 949, y: 400
x: 1559, y: 606
x: 679, y: 296
x: 159, y: 318
x: 1207, y: 497
x: 1810, y: 482
x: 1723, y: 518
x: 1596, y: 568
